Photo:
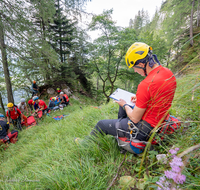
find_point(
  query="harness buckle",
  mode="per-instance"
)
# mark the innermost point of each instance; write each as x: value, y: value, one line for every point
x: 133, y: 129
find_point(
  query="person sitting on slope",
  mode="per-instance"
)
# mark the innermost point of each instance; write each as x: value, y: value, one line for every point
x: 22, y: 107
x: 64, y: 99
x: 5, y: 135
x: 153, y: 98
x: 31, y: 103
x: 40, y: 105
x: 52, y: 103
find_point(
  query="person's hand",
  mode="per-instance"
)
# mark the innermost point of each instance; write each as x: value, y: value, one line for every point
x: 21, y: 120
x: 133, y: 99
x: 121, y: 102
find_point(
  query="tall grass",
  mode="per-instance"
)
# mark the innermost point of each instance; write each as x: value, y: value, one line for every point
x: 46, y: 156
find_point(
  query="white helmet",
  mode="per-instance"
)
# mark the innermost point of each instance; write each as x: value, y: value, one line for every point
x: 61, y: 92
x: 23, y: 100
x: 35, y: 98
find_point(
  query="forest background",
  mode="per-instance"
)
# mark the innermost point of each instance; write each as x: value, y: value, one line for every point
x: 45, y: 41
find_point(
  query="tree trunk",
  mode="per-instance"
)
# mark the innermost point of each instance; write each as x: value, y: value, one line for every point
x: 198, y: 15
x: 97, y: 86
x: 5, y: 64
x: 108, y: 99
x: 2, y: 106
x: 168, y: 57
x: 191, y: 25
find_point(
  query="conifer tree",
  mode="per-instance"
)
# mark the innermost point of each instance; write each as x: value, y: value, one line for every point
x: 140, y: 22
x: 178, y: 21
x: 44, y: 55
x: 62, y: 30
x: 12, y: 25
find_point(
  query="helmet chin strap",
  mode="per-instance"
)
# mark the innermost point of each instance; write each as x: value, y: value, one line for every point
x: 143, y: 68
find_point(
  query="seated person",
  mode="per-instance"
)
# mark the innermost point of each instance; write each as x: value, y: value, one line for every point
x: 58, y: 90
x: 22, y: 107
x: 64, y: 99
x: 34, y: 88
x: 5, y: 135
x: 40, y: 105
x: 57, y: 101
x: 15, y: 114
x: 52, y: 103
x: 152, y: 101
x: 31, y: 103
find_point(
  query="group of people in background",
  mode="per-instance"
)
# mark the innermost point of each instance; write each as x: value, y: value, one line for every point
x: 16, y: 113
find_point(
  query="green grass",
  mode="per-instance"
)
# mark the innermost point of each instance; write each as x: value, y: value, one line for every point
x: 46, y: 157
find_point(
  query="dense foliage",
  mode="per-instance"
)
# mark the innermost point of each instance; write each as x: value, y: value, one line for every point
x: 46, y: 41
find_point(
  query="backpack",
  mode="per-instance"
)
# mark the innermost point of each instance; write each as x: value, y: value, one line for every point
x: 170, y: 125
x: 15, y: 107
x: 67, y: 99
x: 136, y: 146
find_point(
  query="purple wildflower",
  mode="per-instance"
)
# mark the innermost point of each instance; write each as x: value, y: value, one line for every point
x: 163, y: 185
x: 177, y: 149
x: 173, y: 155
x: 176, y: 169
x: 162, y: 179
x: 176, y: 161
x: 170, y: 174
x: 174, y: 173
x: 181, y: 178
x: 172, y: 151
x: 159, y: 183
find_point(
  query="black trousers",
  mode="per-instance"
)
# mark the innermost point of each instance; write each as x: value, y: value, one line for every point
x: 45, y: 111
x: 31, y: 107
x: 65, y: 103
x: 109, y: 127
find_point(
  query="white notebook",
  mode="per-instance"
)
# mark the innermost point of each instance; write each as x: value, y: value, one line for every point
x: 123, y: 94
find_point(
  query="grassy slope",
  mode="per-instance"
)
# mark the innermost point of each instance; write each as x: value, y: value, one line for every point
x: 46, y: 157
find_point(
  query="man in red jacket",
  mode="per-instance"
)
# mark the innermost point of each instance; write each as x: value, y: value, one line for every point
x: 31, y: 103
x: 40, y: 105
x: 64, y: 99
x: 15, y: 114
x: 152, y: 101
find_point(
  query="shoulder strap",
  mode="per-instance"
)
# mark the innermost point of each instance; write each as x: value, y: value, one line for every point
x: 9, y: 111
x: 17, y: 111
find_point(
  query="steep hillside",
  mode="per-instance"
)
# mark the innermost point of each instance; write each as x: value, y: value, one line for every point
x: 46, y: 156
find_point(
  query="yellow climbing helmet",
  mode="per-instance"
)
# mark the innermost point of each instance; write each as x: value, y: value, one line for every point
x: 136, y: 52
x: 10, y: 105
